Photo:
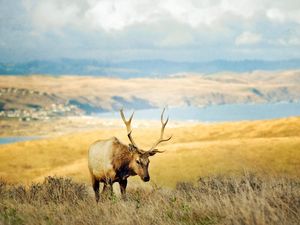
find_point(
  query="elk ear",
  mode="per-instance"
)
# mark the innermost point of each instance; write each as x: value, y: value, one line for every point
x: 154, y: 151
x: 132, y: 148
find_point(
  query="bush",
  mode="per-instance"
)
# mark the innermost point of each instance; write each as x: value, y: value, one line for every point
x: 53, y: 189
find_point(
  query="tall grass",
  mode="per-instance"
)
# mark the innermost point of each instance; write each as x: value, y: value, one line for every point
x: 212, y: 200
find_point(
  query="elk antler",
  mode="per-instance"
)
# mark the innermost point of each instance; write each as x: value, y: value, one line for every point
x: 128, y: 126
x: 161, y: 139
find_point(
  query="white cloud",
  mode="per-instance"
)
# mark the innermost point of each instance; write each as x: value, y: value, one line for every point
x: 282, y: 15
x: 116, y: 15
x: 248, y: 38
x: 180, y: 29
x: 276, y: 15
x: 112, y: 15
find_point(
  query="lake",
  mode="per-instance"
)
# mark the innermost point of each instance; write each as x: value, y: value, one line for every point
x: 8, y: 140
x: 219, y: 113
x: 215, y: 113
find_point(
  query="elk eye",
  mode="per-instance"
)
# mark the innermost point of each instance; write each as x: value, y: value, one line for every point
x: 138, y: 162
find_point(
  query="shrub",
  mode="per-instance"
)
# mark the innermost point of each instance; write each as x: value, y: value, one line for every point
x: 53, y: 189
x: 212, y: 200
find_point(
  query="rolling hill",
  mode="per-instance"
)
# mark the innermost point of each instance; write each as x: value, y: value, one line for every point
x: 97, y: 94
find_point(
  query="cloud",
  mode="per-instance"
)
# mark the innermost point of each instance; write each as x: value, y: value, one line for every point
x: 111, y: 15
x: 281, y: 16
x: 137, y: 29
x: 248, y: 38
x: 117, y: 15
x: 276, y: 15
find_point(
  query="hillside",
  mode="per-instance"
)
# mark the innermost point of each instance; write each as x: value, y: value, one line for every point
x: 28, y: 104
x: 268, y: 147
x: 98, y: 94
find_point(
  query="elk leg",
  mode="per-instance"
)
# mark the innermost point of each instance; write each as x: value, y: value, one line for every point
x: 104, y: 188
x: 96, y: 189
x: 107, y: 189
x: 123, y: 185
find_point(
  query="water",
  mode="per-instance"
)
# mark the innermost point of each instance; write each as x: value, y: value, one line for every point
x: 8, y: 140
x: 216, y: 113
x: 219, y: 113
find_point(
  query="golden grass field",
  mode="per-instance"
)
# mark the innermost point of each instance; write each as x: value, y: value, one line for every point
x: 270, y: 147
x: 224, y: 155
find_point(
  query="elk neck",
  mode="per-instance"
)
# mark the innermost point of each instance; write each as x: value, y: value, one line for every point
x: 121, y: 160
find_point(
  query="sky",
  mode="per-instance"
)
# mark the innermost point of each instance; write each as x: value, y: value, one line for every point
x: 177, y: 30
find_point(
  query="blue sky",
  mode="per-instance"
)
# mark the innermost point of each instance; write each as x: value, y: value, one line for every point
x: 180, y: 30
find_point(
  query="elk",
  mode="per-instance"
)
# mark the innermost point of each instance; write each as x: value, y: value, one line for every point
x: 111, y: 161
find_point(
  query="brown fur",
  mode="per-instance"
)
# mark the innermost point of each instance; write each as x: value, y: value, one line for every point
x: 121, y: 160
x: 121, y: 154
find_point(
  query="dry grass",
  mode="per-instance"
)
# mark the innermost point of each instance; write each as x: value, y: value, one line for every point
x: 66, y: 125
x: 173, y: 91
x: 265, y: 147
x: 176, y: 194
x: 212, y: 200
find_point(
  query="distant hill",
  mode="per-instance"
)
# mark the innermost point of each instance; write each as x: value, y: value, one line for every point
x: 140, y: 68
x: 89, y: 94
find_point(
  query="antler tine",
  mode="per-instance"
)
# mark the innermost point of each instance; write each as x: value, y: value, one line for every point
x: 127, y: 122
x: 162, y: 116
x: 128, y: 126
x: 161, y: 139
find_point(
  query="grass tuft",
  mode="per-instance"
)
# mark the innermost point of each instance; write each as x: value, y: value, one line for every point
x: 52, y: 190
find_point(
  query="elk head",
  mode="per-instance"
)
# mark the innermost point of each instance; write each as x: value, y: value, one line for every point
x: 140, y: 160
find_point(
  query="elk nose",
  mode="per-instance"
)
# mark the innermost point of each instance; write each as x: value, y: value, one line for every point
x: 146, y: 178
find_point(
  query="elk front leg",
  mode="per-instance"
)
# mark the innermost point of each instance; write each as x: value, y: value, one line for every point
x: 96, y: 188
x: 123, y: 185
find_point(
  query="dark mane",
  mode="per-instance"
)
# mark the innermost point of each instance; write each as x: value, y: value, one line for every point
x: 121, y: 158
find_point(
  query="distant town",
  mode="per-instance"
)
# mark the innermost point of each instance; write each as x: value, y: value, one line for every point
x: 44, y: 110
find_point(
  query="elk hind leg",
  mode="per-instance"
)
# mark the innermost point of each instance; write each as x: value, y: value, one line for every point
x: 123, y: 185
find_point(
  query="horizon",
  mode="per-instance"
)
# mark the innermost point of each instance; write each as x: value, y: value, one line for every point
x: 150, y: 60
x: 142, y: 67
